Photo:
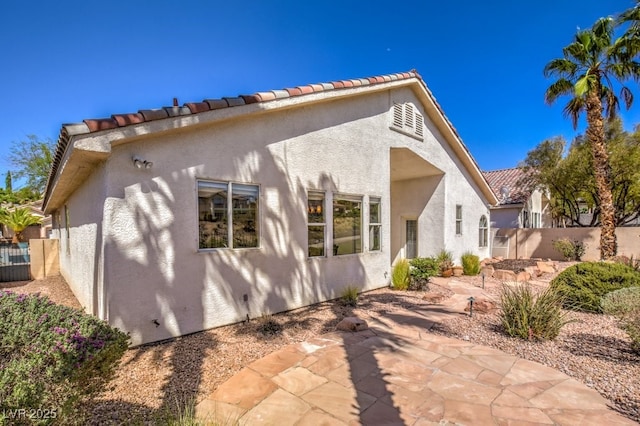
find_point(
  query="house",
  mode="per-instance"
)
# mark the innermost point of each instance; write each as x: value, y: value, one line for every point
x: 185, y: 218
x: 519, y: 205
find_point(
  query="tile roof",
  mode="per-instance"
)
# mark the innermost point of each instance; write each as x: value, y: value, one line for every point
x: 116, y: 121
x: 509, y: 185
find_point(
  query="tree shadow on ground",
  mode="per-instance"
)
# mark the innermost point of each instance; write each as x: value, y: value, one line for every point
x: 607, y: 348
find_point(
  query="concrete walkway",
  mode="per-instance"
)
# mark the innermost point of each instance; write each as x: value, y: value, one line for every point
x: 398, y: 373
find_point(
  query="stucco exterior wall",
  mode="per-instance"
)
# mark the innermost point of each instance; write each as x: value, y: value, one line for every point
x: 80, y: 247
x: 157, y: 284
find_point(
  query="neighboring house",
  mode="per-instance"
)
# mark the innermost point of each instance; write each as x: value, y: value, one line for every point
x: 519, y: 206
x: 185, y: 218
x: 42, y: 230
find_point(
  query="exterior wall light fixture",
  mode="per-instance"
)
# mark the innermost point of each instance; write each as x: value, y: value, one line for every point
x: 139, y: 163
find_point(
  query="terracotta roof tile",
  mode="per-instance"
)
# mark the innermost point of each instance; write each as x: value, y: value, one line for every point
x: 97, y: 124
x: 126, y: 119
x: 279, y: 94
x: 237, y: 101
x: 196, y: 107
x: 509, y: 185
x: 251, y: 99
x: 153, y: 114
x: 346, y: 83
x: 294, y: 91
x: 305, y: 89
x: 266, y: 96
x: 328, y: 86
x: 175, y: 111
x: 317, y: 87
x: 337, y: 84
x: 217, y: 103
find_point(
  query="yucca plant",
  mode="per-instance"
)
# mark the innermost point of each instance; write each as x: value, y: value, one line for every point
x: 400, y: 275
x: 349, y: 295
x: 531, y: 315
x: 19, y: 220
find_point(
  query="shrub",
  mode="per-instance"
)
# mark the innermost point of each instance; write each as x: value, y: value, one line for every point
x: 267, y: 325
x: 400, y: 275
x: 583, y: 285
x: 444, y: 260
x: 53, y: 356
x: 530, y: 315
x: 624, y: 304
x: 349, y: 295
x: 629, y: 261
x: 422, y: 269
x: 470, y: 264
x: 570, y: 250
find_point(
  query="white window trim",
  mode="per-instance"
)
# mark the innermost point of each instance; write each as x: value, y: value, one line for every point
x: 459, y: 220
x: 376, y: 200
x: 323, y: 224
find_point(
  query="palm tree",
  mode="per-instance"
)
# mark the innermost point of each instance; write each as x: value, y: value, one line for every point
x: 587, y: 72
x: 18, y: 220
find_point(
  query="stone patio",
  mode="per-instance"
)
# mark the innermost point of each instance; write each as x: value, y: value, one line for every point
x: 398, y: 373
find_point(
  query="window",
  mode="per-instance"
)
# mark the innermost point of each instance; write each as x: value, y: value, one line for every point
x: 411, y: 239
x: 458, y: 220
x: 483, y: 232
x: 66, y: 227
x: 316, y: 224
x: 408, y: 120
x: 375, y: 224
x: 525, y: 219
x: 347, y: 225
x: 227, y: 215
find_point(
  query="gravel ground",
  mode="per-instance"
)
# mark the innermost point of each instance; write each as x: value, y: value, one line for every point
x: 153, y: 379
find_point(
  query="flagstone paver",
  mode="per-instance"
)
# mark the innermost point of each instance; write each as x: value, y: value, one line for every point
x: 396, y: 373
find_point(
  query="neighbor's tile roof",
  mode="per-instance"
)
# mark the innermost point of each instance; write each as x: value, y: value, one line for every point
x: 509, y: 185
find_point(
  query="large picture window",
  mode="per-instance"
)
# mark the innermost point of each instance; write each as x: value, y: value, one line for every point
x: 347, y: 225
x: 316, y: 224
x: 375, y: 224
x: 227, y: 215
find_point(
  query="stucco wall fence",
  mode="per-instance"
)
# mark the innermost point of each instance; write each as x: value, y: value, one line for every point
x: 521, y: 243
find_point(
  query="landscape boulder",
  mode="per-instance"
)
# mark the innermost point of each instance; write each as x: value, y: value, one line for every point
x: 352, y: 324
x: 547, y: 267
x: 523, y: 277
x: 504, y: 275
x: 482, y: 306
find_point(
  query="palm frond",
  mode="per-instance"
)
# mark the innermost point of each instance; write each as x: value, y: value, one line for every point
x: 560, y: 67
x: 572, y: 110
x: 627, y: 96
x: 560, y: 88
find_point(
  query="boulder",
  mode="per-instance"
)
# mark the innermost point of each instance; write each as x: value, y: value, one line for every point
x: 504, y: 275
x: 535, y: 272
x: 547, y: 267
x: 488, y: 271
x: 482, y: 306
x: 352, y: 324
x: 523, y: 277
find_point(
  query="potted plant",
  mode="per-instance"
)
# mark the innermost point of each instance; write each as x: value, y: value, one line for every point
x: 445, y: 263
x: 457, y: 271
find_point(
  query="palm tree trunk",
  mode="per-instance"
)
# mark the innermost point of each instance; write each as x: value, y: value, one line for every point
x: 602, y: 172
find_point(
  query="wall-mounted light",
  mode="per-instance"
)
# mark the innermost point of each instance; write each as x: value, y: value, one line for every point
x: 139, y: 163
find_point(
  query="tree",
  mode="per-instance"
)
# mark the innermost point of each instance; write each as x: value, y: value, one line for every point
x: 18, y: 220
x: 571, y: 182
x: 587, y: 72
x: 8, y: 184
x: 32, y: 159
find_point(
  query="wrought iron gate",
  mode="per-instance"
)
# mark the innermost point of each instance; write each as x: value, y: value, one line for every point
x: 15, y: 263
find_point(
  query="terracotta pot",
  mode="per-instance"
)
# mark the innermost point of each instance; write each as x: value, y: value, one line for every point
x: 457, y: 271
x: 446, y: 273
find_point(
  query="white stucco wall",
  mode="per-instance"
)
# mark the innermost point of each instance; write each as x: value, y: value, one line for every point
x: 158, y: 285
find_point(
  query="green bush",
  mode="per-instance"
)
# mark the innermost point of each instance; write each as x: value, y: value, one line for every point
x: 624, y: 304
x: 531, y: 315
x: 470, y: 264
x: 400, y: 275
x: 583, y: 285
x: 349, y: 295
x: 422, y: 269
x: 570, y: 250
x: 52, y: 356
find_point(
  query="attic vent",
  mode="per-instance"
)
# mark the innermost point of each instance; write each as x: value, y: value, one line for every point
x: 406, y: 119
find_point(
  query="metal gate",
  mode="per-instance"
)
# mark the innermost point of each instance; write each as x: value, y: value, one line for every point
x: 15, y: 263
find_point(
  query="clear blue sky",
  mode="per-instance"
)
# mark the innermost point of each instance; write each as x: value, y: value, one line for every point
x: 64, y: 61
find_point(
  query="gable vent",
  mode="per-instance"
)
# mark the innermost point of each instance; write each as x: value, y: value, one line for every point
x: 407, y: 120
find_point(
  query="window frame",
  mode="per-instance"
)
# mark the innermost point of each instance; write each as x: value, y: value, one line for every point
x: 323, y: 224
x: 378, y: 224
x: 483, y: 232
x: 350, y: 198
x: 458, y: 219
x: 230, y: 213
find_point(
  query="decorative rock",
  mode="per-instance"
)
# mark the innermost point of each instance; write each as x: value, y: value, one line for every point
x: 523, y: 276
x: 487, y: 270
x: 504, y: 275
x: 535, y: 272
x: 482, y: 306
x: 547, y: 267
x: 352, y: 324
